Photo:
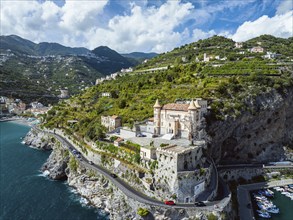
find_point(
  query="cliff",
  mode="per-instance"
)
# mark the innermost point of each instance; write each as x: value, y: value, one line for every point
x: 264, y: 133
x: 101, y: 193
x: 39, y: 140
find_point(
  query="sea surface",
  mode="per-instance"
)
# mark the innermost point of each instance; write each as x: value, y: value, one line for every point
x: 27, y: 194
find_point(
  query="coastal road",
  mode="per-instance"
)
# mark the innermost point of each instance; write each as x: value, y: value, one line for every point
x: 245, y: 210
x: 127, y: 189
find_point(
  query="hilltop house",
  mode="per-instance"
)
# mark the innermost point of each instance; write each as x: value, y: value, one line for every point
x: 257, y: 49
x: 180, y: 120
x: 238, y: 45
x: 111, y: 122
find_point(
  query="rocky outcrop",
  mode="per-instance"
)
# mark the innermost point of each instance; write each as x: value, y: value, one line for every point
x: 264, y: 133
x: 38, y: 140
x: 56, y: 164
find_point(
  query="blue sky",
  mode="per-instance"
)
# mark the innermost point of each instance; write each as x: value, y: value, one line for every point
x: 145, y: 25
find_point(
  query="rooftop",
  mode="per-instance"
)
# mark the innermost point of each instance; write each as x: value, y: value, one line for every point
x: 176, y: 107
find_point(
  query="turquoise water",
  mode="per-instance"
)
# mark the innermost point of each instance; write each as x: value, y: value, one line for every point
x: 285, y: 205
x: 25, y: 193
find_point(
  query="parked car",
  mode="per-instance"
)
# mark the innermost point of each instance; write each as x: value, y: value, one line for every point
x: 199, y: 204
x: 169, y: 202
x: 91, y: 162
x: 141, y: 135
x: 113, y: 175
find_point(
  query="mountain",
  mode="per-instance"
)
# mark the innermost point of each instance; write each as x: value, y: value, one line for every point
x: 30, y: 71
x: 139, y: 56
x: 112, y: 61
x: 222, y: 47
x: 23, y: 46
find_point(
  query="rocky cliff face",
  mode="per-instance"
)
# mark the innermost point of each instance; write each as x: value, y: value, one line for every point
x: 101, y: 193
x: 38, y: 140
x: 265, y: 133
x: 56, y: 164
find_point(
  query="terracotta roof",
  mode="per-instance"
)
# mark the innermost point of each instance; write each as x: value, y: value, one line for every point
x: 176, y: 107
x: 151, y: 119
x: 119, y: 139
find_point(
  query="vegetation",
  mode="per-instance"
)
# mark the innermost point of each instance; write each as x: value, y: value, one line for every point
x: 142, y: 212
x: 229, y: 86
x: 211, y: 216
x: 73, y: 163
x: 37, y: 71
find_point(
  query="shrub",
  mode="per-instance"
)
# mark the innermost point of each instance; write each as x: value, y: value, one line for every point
x: 142, y: 212
x: 212, y: 217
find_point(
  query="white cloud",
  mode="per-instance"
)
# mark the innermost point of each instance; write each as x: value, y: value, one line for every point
x: 81, y: 15
x: 145, y: 29
x: 198, y: 34
x: 279, y: 26
x: 285, y: 6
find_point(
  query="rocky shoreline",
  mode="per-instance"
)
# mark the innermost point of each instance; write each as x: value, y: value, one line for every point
x: 98, y: 190
x: 38, y: 140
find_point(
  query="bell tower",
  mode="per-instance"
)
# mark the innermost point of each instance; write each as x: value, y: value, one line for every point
x: 157, y: 118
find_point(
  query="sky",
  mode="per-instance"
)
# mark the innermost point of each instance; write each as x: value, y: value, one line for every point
x: 144, y: 25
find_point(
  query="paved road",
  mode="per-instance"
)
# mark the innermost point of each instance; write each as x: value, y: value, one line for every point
x: 128, y: 190
x: 252, y: 166
x: 243, y: 196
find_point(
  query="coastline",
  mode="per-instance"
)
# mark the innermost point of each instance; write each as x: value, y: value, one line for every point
x: 20, y: 121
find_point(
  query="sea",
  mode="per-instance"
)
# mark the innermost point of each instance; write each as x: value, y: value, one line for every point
x: 25, y: 193
x: 284, y: 203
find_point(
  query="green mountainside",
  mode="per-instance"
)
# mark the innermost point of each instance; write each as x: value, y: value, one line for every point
x: 139, y: 56
x: 37, y: 71
x: 22, y: 46
x: 222, y: 47
x: 228, y: 85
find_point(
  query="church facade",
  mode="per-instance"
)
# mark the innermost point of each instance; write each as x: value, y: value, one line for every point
x: 180, y: 120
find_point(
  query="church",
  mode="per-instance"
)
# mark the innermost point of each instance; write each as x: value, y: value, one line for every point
x: 180, y: 120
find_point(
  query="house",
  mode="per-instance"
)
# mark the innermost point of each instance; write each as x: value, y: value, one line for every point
x: 257, y: 49
x: 238, y: 45
x: 271, y: 55
x: 148, y: 153
x: 206, y: 58
x: 118, y: 142
x: 63, y: 94
x: 106, y: 94
x: 111, y: 122
x: 180, y: 120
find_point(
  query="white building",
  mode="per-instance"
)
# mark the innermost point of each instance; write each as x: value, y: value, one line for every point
x: 106, y: 94
x: 111, y: 122
x: 271, y: 55
x: 238, y: 45
x: 148, y: 153
x: 180, y: 120
x: 257, y: 49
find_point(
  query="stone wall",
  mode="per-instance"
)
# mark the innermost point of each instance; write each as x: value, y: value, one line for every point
x: 235, y: 174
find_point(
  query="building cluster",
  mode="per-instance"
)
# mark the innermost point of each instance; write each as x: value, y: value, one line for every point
x: 178, y: 166
x: 208, y: 58
x: 11, y: 106
x: 113, y: 76
x: 111, y: 122
x: 37, y: 108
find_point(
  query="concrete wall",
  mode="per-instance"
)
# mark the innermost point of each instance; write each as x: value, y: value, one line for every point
x: 189, y: 160
x: 127, y: 133
x: 246, y: 173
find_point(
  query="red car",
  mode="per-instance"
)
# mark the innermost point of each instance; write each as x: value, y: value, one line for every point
x: 170, y: 202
